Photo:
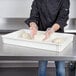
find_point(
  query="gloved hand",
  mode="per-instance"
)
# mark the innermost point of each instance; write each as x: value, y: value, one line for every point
x: 48, y: 32
x: 33, y: 29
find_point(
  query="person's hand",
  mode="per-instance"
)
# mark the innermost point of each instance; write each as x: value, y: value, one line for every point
x: 48, y: 32
x: 33, y: 29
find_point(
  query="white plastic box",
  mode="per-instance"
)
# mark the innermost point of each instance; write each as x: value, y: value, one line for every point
x: 13, y: 38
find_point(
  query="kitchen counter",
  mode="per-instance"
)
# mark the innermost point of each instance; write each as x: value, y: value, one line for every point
x: 17, y: 53
x: 11, y: 24
x: 70, y: 29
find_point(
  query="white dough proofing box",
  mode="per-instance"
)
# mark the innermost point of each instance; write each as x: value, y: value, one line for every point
x: 15, y: 39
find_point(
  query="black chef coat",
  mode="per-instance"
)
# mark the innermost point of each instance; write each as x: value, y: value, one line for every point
x: 45, y: 13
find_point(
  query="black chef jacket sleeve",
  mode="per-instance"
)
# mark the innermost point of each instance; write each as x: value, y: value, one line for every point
x: 63, y: 14
x: 34, y: 16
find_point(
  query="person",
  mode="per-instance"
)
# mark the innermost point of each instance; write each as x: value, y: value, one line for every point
x: 49, y: 16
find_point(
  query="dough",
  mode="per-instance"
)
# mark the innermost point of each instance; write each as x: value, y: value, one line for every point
x: 39, y: 37
x: 58, y: 40
x: 25, y: 35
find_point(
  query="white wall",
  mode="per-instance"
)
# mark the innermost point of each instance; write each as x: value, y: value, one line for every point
x: 15, y: 8
x: 21, y: 8
x: 72, y: 8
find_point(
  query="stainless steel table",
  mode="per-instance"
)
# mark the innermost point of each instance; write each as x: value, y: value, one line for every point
x: 12, y: 52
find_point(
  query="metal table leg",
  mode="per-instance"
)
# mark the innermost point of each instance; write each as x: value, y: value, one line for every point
x: 72, y: 69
